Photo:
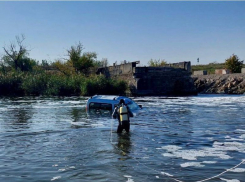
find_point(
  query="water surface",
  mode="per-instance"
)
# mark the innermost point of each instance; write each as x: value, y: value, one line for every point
x: 172, y: 139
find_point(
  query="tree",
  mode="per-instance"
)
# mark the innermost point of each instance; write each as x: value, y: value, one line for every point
x: 81, y: 62
x: 86, y: 61
x: 26, y: 64
x: 157, y: 63
x: 15, y: 53
x: 233, y: 64
x: 65, y: 68
x: 74, y: 54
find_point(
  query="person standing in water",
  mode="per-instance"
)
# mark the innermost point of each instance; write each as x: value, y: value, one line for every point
x: 122, y: 113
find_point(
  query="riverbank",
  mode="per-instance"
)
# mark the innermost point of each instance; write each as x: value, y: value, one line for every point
x: 220, y: 84
x: 50, y: 84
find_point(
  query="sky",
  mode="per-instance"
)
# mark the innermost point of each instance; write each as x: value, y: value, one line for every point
x: 124, y: 30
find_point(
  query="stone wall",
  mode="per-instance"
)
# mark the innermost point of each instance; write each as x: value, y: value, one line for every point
x: 116, y: 70
x: 186, y: 65
x: 154, y: 80
x: 163, y: 81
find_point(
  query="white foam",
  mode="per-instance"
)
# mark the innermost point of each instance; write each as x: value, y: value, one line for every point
x: 193, y: 154
x: 194, y: 164
x: 129, y: 178
x: 238, y: 170
x: 171, y: 148
x: 209, y: 162
x: 235, y: 139
x: 229, y: 146
x: 55, y: 178
x: 61, y: 169
x: 168, y: 155
x: 230, y: 180
x: 167, y: 174
x: 240, y: 130
x: 99, y: 124
x: 242, y: 136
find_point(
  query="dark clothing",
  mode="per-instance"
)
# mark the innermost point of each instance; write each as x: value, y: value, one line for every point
x: 122, y: 124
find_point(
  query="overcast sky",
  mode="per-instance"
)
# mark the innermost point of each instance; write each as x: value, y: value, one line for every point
x: 132, y: 31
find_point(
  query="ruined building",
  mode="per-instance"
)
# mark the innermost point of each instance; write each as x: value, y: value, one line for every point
x: 173, y: 79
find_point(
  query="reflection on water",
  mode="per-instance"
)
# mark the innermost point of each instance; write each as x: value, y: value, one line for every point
x: 184, y: 138
x: 124, y: 144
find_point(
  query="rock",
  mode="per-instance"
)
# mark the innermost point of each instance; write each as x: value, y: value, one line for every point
x: 220, y: 84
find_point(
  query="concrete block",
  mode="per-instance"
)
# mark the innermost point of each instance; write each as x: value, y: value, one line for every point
x: 200, y: 72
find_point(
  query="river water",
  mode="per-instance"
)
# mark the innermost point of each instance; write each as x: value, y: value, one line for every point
x: 183, y: 139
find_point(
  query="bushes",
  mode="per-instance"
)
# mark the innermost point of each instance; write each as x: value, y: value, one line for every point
x: 41, y: 83
x: 52, y: 84
x: 64, y: 85
x: 10, y: 84
x: 35, y: 84
x: 102, y: 85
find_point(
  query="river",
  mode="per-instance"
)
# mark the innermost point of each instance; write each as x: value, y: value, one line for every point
x: 185, y: 139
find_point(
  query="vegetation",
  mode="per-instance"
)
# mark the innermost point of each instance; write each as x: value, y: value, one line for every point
x: 157, y: 62
x: 21, y: 75
x: 16, y: 56
x: 210, y: 68
x: 19, y: 83
x: 234, y: 64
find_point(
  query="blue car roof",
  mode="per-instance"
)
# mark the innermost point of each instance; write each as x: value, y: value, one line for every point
x: 111, y: 98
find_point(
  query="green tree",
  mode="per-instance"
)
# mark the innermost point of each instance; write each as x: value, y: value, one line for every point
x: 65, y: 67
x: 74, y: 54
x: 16, y: 54
x: 157, y: 63
x: 81, y: 62
x: 86, y: 61
x: 234, y: 64
x: 26, y: 64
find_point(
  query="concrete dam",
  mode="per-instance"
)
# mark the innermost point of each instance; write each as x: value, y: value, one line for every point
x: 171, y: 80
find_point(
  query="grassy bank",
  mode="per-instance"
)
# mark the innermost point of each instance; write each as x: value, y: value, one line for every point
x: 42, y: 83
x: 210, y: 68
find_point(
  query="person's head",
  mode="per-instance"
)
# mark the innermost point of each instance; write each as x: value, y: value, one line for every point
x: 122, y: 101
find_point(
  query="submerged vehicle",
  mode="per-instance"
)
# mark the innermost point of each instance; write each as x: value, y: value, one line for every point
x: 105, y: 104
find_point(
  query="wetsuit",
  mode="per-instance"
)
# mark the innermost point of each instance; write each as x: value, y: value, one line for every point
x: 122, y: 124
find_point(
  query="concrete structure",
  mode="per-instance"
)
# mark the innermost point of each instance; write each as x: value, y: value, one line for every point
x: 186, y: 65
x: 200, y: 72
x: 222, y: 71
x: 243, y: 70
x: 174, y: 79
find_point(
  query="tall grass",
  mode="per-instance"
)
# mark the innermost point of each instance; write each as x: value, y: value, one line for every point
x: 42, y: 83
x: 103, y: 85
x: 10, y: 84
